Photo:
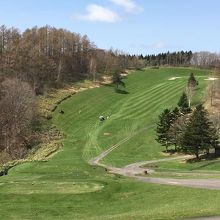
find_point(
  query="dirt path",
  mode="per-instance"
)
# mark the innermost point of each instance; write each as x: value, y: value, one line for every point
x: 205, y: 218
x: 95, y: 161
x: 132, y: 170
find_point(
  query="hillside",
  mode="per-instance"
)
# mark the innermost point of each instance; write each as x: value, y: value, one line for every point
x: 67, y: 187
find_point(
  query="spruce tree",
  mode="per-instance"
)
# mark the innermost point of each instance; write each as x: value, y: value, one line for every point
x: 192, y: 82
x: 163, y: 126
x: 199, y: 135
x: 184, y: 104
x: 175, y: 127
x: 175, y: 114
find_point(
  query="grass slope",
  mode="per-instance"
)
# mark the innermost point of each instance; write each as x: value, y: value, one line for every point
x: 66, y: 187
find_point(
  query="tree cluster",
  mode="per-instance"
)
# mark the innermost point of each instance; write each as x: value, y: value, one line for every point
x: 205, y: 59
x: 200, y: 134
x: 48, y: 56
x: 191, y: 132
x: 180, y: 58
x: 17, y: 110
x: 39, y: 58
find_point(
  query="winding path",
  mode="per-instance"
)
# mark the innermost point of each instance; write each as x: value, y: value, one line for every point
x: 132, y: 170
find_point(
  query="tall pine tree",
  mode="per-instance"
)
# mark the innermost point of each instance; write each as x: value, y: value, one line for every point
x: 175, y: 127
x: 200, y: 134
x: 163, y: 126
x: 184, y: 104
x: 192, y: 82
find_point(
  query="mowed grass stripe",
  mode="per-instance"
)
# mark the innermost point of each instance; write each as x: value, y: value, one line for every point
x: 149, y: 96
x: 145, y: 90
x: 143, y: 104
x: 151, y: 90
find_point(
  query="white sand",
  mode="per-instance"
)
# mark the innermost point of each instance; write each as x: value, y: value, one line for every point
x: 174, y: 78
x: 211, y: 79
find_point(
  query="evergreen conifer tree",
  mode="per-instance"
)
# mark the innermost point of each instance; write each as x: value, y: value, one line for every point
x: 199, y: 135
x: 175, y: 127
x: 192, y: 82
x: 184, y: 104
x: 163, y: 126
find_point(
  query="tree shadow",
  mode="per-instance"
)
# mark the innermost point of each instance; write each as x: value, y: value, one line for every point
x: 193, y: 160
x: 205, y: 165
x: 210, y: 156
x: 170, y: 151
x: 121, y: 91
x: 205, y: 157
x: 107, y: 85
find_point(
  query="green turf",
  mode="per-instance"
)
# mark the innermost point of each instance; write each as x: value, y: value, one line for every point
x: 66, y: 187
x: 178, y: 165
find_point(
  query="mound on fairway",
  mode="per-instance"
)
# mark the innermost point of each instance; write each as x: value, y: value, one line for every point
x: 44, y: 187
x: 120, y: 198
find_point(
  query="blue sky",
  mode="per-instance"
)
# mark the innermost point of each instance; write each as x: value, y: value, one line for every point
x: 134, y: 26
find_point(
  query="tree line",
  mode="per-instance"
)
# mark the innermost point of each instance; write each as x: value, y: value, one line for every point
x: 47, y: 56
x: 205, y: 59
x: 180, y: 58
x: 38, y: 59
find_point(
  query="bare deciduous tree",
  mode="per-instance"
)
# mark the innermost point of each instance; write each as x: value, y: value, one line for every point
x: 17, y: 111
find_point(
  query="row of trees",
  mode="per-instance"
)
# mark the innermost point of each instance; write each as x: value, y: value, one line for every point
x: 180, y: 58
x: 205, y: 59
x: 190, y: 131
x: 213, y: 97
x: 36, y: 59
x: 202, y: 59
x: 46, y: 56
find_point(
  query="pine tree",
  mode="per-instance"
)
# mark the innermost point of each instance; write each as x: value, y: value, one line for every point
x: 163, y: 126
x: 175, y: 127
x: 184, y: 104
x: 175, y: 114
x: 200, y: 134
x: 192, y: 82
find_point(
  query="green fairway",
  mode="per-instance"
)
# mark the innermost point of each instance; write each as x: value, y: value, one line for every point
x: 67, y: 187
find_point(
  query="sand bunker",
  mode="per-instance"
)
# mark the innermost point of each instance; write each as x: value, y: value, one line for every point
x: 174, y: 78
x: 211, y: 79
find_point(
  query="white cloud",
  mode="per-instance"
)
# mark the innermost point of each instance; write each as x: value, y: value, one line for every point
x: 100, y: 14
x: 128, y: 5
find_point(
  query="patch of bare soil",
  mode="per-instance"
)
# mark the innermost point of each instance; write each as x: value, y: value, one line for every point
x: 107, y: 134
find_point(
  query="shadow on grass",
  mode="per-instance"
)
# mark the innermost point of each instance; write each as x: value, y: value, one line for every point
x: 108, y: 85
x: 170, y: 151
x: 210, y: 158
x: 121, y: 91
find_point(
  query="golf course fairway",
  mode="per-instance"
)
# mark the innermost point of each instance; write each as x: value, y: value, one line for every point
x: 68, y: 187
